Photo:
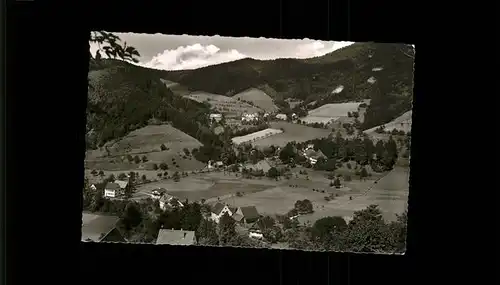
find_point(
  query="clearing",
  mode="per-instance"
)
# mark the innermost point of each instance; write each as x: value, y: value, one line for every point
x: 208, y: 186
x: 330, y: 112
x: 402, y: 122
x: 256, y: 136
x: 228, y: 106
x: 258, y: 98
x: 175, y: 87
x: 291, y: 132
x: 390, y: 193
x: 146, y: 142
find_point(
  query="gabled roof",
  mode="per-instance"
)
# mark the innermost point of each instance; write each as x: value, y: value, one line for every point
x: 217, y: 208
x: 249, y: 212
x: 263, y: 224
x: 112, y: 186
x: 114, y: 235
x: 122, y: 183
x: 175, y: 237
x: 237, y: 217
x: 93, y: 226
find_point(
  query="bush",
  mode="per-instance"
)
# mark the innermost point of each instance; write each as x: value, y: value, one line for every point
x: 349, y: 166
x: 163, y: 166
x: 163, y: 147
x: 94, y: 172
x: 137, y: 159
x: 144, y: 158
x: 155, y: 166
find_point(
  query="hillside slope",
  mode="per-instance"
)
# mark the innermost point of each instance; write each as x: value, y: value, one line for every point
x: 124, y: 97
x: 259, y: 98
x: 314, y: 79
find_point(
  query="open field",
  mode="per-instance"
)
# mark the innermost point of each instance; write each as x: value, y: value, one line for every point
x: 390, y: 193
x: 226, y: 105
x: 256, y: 136
x: 146, y: 141
x: 402, y: 122
x: 258, y: 98
x: 291, y: 132
x: 330, y: 112
x: 208, y: 186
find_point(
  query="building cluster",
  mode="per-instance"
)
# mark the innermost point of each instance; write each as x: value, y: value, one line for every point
x: 115, y: 189
x: 312, y: 155
x: 250, y: 117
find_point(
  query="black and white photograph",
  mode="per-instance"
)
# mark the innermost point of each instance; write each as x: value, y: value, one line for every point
x: 248, y: 142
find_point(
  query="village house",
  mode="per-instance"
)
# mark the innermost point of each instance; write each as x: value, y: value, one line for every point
x: 112, y: 190
x: 93, y: 187
x: 97, y: 228
x: 214, y: 164
x: 281, y: 117
x: 246, y: 215
x: 216, y: 117
x: 158, y: 193
x: 219, y: 209
x: 176, y: 237
x: 258, y: 228
x: 167, y: 200
x: 313, y: 155
x: 294, y: 116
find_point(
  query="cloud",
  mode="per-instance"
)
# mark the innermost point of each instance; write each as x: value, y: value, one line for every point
x: 192, y: 56
x: 197, y: 55
x: 174, y: 52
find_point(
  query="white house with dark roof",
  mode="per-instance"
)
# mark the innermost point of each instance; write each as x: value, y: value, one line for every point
x: 112, y: 190
x: 281, y: 117
x: 167, y: 200
x: 176, y: 237
x: 219, y: 209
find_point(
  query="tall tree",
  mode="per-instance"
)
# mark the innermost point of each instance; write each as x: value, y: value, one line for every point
x: 207, y: 233
x: 227, y: 229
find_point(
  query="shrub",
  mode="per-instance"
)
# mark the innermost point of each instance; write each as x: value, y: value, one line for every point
x: 163, y: 147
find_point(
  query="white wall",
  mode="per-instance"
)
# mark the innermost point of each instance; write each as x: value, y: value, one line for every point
x: 255, y: 235
x: 109, y: 193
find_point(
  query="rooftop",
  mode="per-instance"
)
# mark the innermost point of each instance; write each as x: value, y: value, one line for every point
x: 95, y: 226
x: 175, y: 237
x: 249, y: 212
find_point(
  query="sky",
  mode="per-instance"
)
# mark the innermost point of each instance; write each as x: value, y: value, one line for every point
x: 178, y: 52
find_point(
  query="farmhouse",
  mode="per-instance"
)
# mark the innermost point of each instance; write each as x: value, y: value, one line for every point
x: 216, y: 117
x: 281, y: 117
x: 167, y: 200
x: 258, y: 228
x: 93, y: 187
x: 112, y: 190
x: 176, y: 237
x: 218, y: 210
x: 99, y: 228
x: 247, y: 215
x: 214, y: 165
x: 158, y: 193
x: 313, y: 155
x: 123, y: 184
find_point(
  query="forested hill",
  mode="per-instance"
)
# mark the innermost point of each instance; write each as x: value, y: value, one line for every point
x: 314, y: 79
x: 123, y: 97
